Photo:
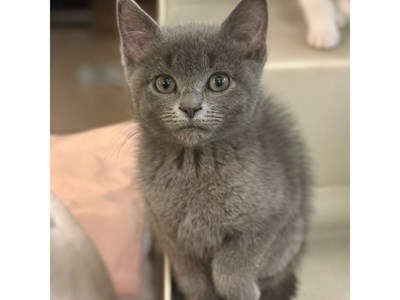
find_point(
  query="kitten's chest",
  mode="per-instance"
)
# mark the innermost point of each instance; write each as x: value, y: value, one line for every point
x: 197, y: 220
x: 196, y: 203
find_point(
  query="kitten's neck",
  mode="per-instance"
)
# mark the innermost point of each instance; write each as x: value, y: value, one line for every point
x: 201, y: 160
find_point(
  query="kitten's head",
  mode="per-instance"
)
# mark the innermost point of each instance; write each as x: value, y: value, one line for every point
x: 193, y: 84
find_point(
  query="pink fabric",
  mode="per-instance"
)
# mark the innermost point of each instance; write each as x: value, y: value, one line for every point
x: 93, y: 174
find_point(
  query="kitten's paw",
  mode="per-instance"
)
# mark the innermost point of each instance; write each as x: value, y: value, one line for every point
x: 233, y: 287
x: 323, y: 38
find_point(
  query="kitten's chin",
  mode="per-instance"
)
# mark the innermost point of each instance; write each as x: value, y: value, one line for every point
x: 192, y: 136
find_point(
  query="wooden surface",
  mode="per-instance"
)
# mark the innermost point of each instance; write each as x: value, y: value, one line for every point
x: 105, y: 16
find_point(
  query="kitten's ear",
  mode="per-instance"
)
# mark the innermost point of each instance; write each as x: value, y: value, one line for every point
x: 247, y: 25
x: 137, y: 30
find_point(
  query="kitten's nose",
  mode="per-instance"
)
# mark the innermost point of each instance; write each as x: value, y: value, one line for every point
x: 190, y: 110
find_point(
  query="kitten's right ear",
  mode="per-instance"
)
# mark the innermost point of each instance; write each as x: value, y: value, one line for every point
x: 247, y: 26
x: 137, y: 30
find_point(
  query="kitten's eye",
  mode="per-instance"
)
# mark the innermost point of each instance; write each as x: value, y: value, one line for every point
x: 165, y: 84
x: 218, y: 82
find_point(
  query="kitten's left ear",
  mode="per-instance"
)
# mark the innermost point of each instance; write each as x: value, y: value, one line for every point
x: 247, y: 25
x: 137, y: 30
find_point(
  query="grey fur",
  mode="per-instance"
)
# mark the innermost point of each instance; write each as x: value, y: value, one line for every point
x: 228, y: 202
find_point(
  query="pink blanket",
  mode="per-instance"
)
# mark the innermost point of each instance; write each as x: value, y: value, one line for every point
x: 93, y: 174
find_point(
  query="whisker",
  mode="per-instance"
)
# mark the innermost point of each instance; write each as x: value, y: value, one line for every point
x: 122, y: 139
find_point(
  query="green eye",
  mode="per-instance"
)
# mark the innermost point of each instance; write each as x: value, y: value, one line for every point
x: 218, y: 82
x: 165, y: 84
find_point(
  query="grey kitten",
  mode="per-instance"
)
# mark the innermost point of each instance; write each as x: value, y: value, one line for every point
x: 222, y: 168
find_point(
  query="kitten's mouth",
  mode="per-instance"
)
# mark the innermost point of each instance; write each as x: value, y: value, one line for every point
x: 192, y: 134
x: 191, y: 127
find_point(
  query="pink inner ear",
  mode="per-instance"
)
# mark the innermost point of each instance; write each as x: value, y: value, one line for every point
x: 257, y: 51
x: 135, y: 44
x: 137, y: 29
x: 253, y: 41
x: 135, y: 39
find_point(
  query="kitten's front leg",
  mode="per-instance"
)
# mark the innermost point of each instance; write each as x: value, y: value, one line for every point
x: 234, y: 273
x: 192, y: 279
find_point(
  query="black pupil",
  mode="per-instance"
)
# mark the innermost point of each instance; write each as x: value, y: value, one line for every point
x: 219, y: 81
x: 166, y: 83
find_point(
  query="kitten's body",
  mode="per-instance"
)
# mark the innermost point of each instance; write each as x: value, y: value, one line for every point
x: 219, y: 203
x: 226, y: 187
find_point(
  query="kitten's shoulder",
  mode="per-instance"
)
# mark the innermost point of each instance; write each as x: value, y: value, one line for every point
x: 277, y: 129
x: 272, y: 115
x: 279, y: 137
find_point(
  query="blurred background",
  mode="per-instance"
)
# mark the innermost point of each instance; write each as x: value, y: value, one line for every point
x: 88, y: 92
x: 87, y: 86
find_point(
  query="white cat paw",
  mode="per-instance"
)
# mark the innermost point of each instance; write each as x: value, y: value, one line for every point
x: 323, y: 38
